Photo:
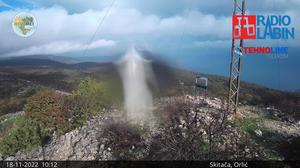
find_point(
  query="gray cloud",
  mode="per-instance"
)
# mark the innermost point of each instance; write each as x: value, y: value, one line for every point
x: 59, y: 47
x: 56, y: 24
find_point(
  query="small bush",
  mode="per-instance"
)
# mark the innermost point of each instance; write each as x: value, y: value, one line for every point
x: 78, y: 111
x: 126, y: 140
x: 96, y: 93
x: 89, y: 98
x: 247, y: 124
x: 25, y: 136
x: 7, y: 124
x: 47, y: 107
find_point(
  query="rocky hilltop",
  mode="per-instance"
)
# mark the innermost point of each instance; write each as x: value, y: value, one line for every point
x: 184, y: 127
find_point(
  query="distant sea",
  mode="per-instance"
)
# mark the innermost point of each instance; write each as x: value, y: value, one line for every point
x: 278, y: 73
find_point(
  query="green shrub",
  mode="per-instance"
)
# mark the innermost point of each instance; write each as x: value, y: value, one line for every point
x: 204, y: 147
x: 47, y: 107
x: 89, y: 98
x: 96, y: 93
x: 25, y: 136
x: 247, y: 124
x: 62, y: 113
x: 7, y: 124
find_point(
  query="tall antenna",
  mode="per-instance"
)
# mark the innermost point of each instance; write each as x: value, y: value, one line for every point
x: 235, y: 65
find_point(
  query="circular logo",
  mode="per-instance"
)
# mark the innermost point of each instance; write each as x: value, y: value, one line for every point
x: 24, y: 24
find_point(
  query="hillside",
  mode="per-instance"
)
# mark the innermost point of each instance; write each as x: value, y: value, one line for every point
x: 16, y: 74
x: 75, y: 112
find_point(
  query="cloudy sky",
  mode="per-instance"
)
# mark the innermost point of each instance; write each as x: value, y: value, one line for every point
x: 174, y: 29
x: 66, y: 26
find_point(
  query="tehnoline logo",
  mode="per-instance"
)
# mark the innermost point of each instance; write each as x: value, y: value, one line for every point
x: 263, y: 27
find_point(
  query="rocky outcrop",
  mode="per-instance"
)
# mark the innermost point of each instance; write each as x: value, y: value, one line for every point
x: 108, y: 136
x: 80, y: 144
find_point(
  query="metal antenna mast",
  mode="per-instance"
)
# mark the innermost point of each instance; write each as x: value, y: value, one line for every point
x: 236, y: 61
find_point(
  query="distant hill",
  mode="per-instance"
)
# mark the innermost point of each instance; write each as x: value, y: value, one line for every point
x: 44, y: 60
x: 61, y: 59
x: 23, y: 61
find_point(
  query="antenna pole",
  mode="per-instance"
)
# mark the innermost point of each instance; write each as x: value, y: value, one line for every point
x: 236, y: 63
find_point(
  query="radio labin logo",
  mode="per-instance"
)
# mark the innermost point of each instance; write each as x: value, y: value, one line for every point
x: 274, y: 27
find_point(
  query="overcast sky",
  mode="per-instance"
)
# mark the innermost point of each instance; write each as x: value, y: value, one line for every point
x: 67, y: 26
